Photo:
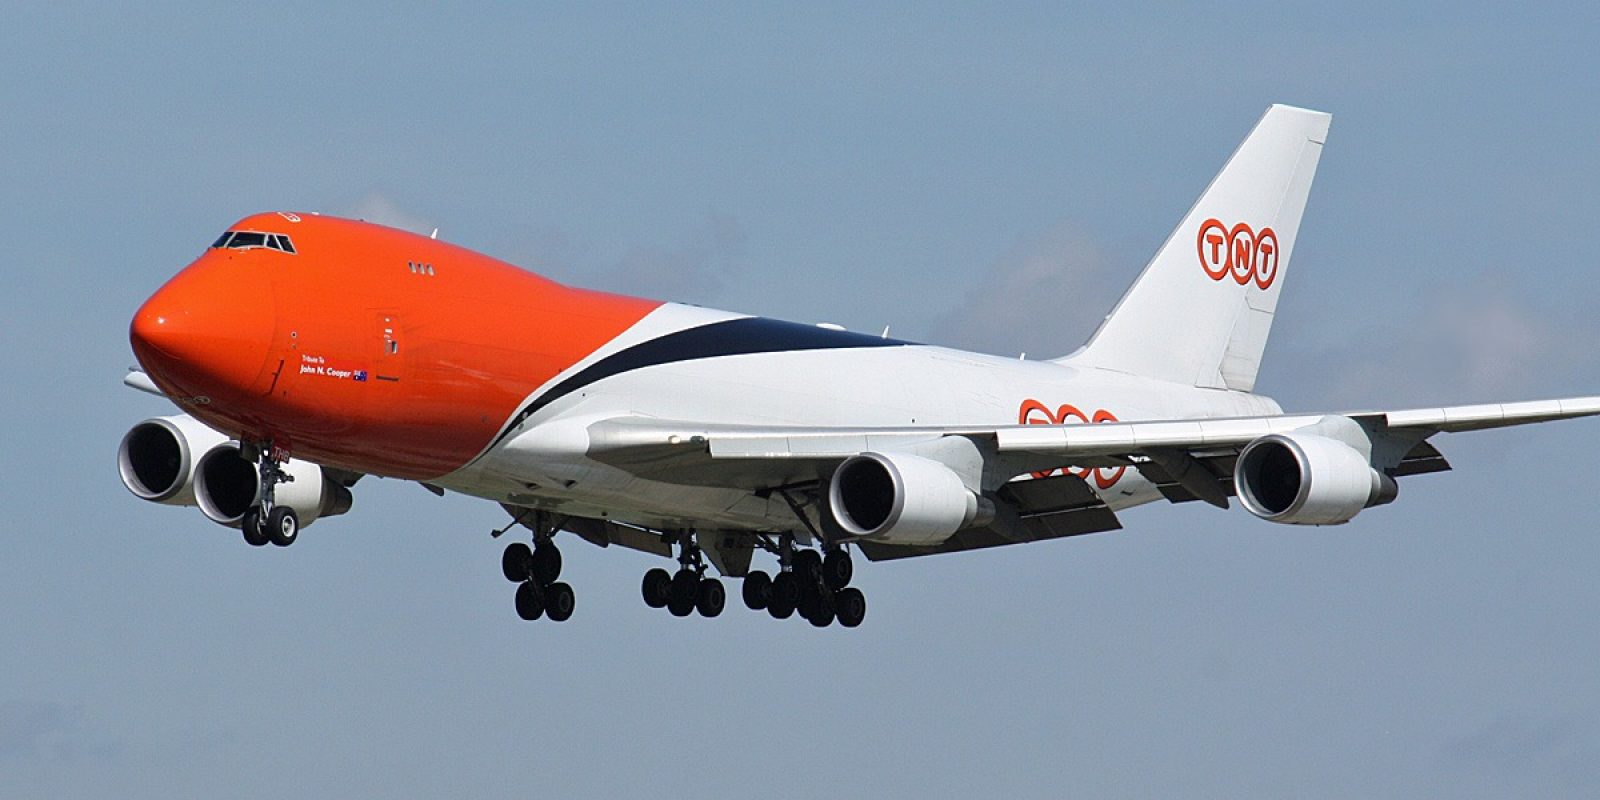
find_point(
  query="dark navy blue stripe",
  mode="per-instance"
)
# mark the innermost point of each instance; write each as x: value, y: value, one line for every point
x: 730, y: 338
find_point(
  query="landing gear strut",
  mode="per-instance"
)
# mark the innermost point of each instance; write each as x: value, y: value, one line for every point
x: 267, y: 521
x: 536, y: 569
x: 689, y: 589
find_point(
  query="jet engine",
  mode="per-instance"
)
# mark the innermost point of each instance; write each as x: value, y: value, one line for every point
x: 226, y: 486
x: 897, y: 498
x: 179, y: 461
x: 157, y: 458
x: 1306, y: 479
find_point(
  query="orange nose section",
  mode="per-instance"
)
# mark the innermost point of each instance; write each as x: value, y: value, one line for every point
x: 207, y: 332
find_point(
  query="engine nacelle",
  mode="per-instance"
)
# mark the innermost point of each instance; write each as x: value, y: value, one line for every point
x: 158, y: 458
x: 898, y: 498
x: 226, y: 486
x: 1306, y: 479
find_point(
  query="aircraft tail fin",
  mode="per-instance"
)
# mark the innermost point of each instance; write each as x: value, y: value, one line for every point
x: 1200, y: 312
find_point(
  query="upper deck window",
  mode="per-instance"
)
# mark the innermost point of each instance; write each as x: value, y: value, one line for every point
x: 244, y: 240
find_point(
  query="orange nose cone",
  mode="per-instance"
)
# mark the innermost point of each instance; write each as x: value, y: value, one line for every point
x: 207, y: 332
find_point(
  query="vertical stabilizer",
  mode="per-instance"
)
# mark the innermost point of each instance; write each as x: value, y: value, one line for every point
x: 1200, y: 312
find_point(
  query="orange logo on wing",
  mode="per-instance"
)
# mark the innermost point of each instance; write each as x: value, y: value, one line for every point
x: 1034, y: 412
x: 1242, y: 252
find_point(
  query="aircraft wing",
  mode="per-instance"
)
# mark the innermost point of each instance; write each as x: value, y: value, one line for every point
x: 1186, y: 459
x: 658, y: 449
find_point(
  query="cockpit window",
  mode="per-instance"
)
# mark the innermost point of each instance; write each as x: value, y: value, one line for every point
x: 244, y: 240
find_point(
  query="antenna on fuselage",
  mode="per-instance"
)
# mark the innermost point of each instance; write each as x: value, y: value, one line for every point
x: 435, y: 234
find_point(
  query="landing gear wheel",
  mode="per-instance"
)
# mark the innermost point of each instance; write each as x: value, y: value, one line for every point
x: 851, y: 607
x: 546, y: 564
x: 558, y: 602
x: 517, y: 562
x: 657, y: 587
x: 785, y: 594
x: 283, y: 526
x: 810, y: 600
x: 251, y: 527
x: 757, y: 590
x: 837, y: 569
x: 821, y: 611
x: 807, y: 566
x: 712, y: 598
x: 530, y: 603
x: 684, y: 591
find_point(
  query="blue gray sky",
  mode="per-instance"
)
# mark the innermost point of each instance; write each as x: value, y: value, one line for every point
x: 980, y: 176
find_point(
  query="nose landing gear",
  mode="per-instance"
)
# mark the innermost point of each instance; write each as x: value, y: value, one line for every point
x: 266, y: 521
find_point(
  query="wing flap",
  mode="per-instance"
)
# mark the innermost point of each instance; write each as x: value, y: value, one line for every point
x: 1036, y: 527
x: 1422, y: 460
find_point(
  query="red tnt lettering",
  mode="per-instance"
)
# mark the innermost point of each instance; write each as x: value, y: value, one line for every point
x: 1240, y: 251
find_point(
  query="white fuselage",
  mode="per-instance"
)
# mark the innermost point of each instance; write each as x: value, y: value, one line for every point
x: 546, y: 464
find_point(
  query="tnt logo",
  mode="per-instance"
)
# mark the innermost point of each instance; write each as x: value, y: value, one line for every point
x: 1246, y: 254
x: 1034, y: 412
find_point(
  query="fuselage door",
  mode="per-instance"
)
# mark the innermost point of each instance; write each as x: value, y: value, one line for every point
x: 390, y: 344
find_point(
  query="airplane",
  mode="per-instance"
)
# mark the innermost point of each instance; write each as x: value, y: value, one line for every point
x: 307, y: 351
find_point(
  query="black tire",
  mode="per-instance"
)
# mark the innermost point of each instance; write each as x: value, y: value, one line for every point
x: 711, y: 598
x: 809, y: 600
x: 807, y: 566
x: 530, y: 601
x: 546, y: 564
x: 822, y: 612
x: 516, y: 563
x: 250, y: 526
x: 656, y: 588
x: 283, y: 526
x: 757, y: 590
x: 851, y: 606
x: 785, y: 594
x: 685, y: 589
x: 837, y: 568
x: 559, y: 602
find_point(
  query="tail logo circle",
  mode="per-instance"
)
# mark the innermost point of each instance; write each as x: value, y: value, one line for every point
x: 1241, y: 252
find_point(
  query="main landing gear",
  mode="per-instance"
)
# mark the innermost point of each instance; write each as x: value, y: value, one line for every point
x: 535, y: 570
x: 266, y: 521
x: 811, y: 583
x: 688, y: 590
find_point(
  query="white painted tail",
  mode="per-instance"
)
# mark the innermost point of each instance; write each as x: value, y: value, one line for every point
x: 1200, y: 312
